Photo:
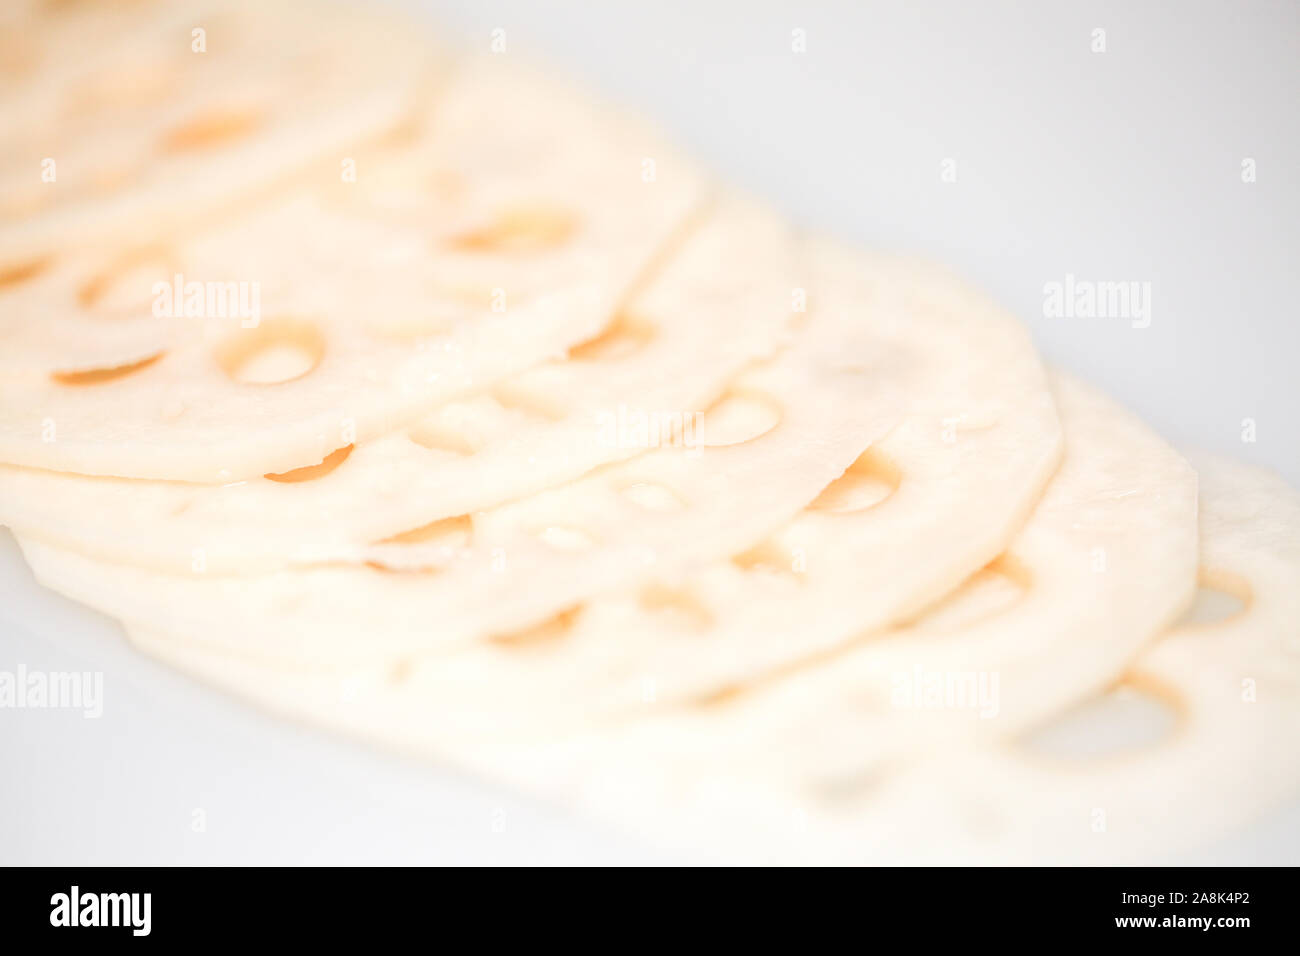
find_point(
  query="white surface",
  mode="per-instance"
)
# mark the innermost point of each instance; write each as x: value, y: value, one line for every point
x: 1124, y: 165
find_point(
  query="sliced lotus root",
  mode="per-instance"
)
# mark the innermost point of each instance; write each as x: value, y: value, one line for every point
x: 1227, y: 689
x: 849, y: 563
x: 1196, y: 739
x: 787, y: 429
x: 42, y: 41
x: 1105, y: 563
x: 125, y: 122
x: 713, y: 629
x: 939, y: 497
x: 718, y: 303
x: 364, y: 322
x: 1120, y: 490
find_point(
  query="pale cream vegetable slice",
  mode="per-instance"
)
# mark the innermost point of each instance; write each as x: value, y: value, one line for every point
x: 1197, y: 739
x: 939, y: 497
x: 715, y: 305
x: 40, y: 42
x: 1122, y: 500
x: 969, y: 434
x: 1106, y: 562
x: 784, y: 431
x: 771, y: 773
x: 121, y: 130
x: 507, y: 185
x: 1232, y: 684
x: 365, y: 322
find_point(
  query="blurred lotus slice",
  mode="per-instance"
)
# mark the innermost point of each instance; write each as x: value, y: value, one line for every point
x: 1195, y: 739
x: 363, y: 321
x: 719, y: 302
x: 1104, y: 564
x: 799, y: 420
x: 939, y: 497
x: 440, y: 405
x: 124, y: 121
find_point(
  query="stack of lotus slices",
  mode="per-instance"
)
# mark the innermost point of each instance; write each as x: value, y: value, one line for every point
x: 532, y: 450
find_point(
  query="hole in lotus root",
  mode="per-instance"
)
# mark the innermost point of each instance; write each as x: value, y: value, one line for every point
x: 990, y: 591
x: 101, y: 376
x: 216, y: 127
x: 738, y: 417
x: 407, y: 567
x: 435, y: 436
x: 720, y: 697
x: 867, y: 482
x: 127, y: 286
x: 769, y: 557
x: 625, y: 337
x: 1134, y: 716
x: 550, y: 631
x: 520, y: 229
x: 22, y: 272
x: 1220, y: 597
x: 675, y: 606
x: 318, y: 470
x: 275, y: 352
x: 454, y: 534
x: 426, y: 550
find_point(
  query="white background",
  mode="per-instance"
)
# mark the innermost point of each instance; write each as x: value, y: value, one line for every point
x: 1115, y: 166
